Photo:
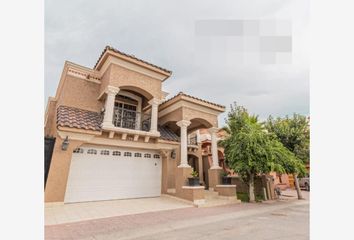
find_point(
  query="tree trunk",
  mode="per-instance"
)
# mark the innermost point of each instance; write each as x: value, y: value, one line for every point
x: 251, y: 188
x: 298, y: 190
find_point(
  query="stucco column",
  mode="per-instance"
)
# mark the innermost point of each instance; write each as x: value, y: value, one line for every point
x: 183, y: 124
x: 214, y: 148
x: 109, y: 106
x: 154, y: 114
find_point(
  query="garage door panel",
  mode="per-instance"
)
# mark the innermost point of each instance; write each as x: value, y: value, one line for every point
x: 102, y: 177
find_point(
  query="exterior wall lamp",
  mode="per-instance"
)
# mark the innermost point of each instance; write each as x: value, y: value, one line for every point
x: 173, y: 154
x: 65, y: 144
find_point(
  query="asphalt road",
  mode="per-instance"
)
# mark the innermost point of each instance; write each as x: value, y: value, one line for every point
x: 290, y: 223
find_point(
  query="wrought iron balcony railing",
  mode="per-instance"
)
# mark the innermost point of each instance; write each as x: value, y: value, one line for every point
x: 131, y: 119
x: 192, y: 140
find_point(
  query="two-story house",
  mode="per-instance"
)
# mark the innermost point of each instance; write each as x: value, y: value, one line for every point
x: 117, y: 137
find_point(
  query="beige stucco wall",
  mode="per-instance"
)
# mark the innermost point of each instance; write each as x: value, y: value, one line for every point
x: 127, y: 79
x: 164, y: 175
x: 214, y: 177
x: 80, y: 93
x: 190, y: 114
x: 105, y: 79
x: 173, y: 116
x: 185, y: 113
x: 50, y: 121
x: 59, y: 171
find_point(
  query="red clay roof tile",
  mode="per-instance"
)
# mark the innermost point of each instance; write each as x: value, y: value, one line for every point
x: 78, y: 118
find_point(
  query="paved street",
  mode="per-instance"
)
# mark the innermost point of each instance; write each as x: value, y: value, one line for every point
x: 291, y: 223
x: 272, y: 220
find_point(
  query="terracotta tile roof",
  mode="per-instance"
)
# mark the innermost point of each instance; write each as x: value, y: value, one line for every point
x: 130, y: 56
x: 78, y: 118
x: 189, y: 96
x: 167, y: 134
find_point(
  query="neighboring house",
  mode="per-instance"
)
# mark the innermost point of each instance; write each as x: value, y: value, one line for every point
x: 116, y: 137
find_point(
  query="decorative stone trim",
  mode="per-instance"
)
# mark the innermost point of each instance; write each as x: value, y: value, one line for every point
x: 226, y: 186
x: 83, y: 75
x: 193, y: 187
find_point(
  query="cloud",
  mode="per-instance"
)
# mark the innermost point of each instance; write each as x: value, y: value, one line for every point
x: 219, y: 69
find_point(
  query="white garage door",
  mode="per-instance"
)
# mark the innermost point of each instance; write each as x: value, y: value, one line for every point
x: 105, y: 174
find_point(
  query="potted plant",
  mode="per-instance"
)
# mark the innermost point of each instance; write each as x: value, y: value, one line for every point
x: 194, y: 180
x: 225, y: 179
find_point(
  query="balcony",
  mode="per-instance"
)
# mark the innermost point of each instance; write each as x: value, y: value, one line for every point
x: 131, y: 119
x: 192, y: 141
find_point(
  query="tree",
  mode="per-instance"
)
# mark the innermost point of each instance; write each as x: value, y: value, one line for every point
x: 289, y: 162
x: 294, y: 134
x: 248, y: 147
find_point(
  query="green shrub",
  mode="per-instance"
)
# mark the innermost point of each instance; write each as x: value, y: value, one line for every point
x: 245, y: 198
x: 242, y: 196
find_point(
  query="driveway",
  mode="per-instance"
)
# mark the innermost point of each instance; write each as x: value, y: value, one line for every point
x: 76, y: 212
x: 284, y: 219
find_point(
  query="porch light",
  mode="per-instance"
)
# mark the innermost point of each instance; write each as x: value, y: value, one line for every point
x: 173, y: 154
x: 65, y: 144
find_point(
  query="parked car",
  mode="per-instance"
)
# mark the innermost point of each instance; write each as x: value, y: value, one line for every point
x: 305, y: 183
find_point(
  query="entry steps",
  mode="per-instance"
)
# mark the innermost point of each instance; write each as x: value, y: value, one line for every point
x: 213, y: 199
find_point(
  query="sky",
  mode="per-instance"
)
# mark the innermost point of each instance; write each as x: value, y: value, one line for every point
x: 252, y: 52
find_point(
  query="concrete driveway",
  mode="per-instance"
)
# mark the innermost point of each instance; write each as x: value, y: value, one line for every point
x: 76, y: 212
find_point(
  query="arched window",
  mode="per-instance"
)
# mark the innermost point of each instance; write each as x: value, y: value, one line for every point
x: 137, y: 154
x: 156, y: 156
x: 147, y: 155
